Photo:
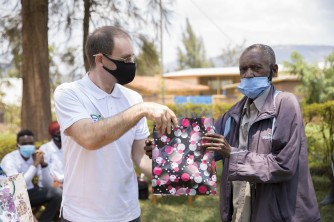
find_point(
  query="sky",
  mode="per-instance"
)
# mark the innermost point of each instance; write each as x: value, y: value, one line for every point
x: 221, y: 23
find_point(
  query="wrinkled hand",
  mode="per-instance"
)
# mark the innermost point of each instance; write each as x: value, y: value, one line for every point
x: 163, y: 117
x: 148, y: 148
x: 216, y: 142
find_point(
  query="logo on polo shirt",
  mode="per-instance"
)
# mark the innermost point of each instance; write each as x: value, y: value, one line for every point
x: 96, y: 117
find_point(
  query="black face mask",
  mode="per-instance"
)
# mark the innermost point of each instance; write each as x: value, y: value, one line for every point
x: 57, y: 138
x: 124, y: 72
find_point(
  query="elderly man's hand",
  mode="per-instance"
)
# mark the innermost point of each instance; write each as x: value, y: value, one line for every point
x: 216, y: 142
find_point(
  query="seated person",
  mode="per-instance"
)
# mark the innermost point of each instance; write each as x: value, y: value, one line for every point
x: 30, y: 162
x: 53, y: 154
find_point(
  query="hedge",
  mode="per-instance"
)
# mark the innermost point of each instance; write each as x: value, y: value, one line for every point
x: 318, y: 119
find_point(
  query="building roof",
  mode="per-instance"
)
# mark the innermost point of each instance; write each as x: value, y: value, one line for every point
x: 217, y: 71
x: 206, y: 72
x: 153, y: 84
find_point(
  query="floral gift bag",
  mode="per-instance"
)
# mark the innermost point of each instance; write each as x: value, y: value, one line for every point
x: 180, y: 165
x: 14, y: 200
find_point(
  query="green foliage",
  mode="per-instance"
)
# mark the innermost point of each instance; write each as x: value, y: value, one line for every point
x: 220, y: 108
x: 148, y: 59
x: 192, y: 110
x: 315, y: 145
x: 194, y: 55
x: 328, y: 73
x: 11, y: 114
x: 10, y: 28
x: 320, y: 129
x: 317, y: 84
x: 7, y: 143
x: 200, y: 110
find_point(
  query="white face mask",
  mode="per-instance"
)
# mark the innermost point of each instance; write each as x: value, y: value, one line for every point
x: 27, y: 150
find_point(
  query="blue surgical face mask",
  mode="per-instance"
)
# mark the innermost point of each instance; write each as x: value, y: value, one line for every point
x: 253, y: 87
x: 27, y: 150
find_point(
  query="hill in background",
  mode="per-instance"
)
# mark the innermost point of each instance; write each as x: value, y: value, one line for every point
x: 311, y: 54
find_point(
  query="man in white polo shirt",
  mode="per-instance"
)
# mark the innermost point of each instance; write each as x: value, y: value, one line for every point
x: 103, y: 130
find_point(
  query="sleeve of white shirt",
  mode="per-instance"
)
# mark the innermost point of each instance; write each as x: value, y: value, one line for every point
x: 9, y: 167
x: 142, y: 131
x: 56, y: 167
x: 44, y: 176
x: 68, y: 106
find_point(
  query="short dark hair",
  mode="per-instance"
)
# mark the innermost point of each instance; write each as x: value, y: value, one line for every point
x: 102, y: 41
x: 24, y: 132
x: 267, y: 50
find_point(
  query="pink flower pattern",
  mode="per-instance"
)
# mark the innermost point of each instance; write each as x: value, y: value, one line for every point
x: 180, y: 165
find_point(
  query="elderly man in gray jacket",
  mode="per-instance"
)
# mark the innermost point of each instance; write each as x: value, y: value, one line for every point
x: 261, y: 140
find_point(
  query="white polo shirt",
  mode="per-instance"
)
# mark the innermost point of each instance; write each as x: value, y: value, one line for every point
x: 54, y: 157
x: 99, y: 185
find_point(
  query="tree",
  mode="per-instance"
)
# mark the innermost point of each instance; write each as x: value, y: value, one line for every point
x: 120, y: 13
x: 31, y: 51
x: 317, y: 84
x: 310, y: 76
x: 230, y: 55
x: 36, y: 106
x: 328, y: 72
x: 194, y: 55
x: 10, y: 28
x: 147, y: 61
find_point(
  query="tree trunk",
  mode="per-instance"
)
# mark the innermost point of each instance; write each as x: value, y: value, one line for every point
x: 86, y: 19
x: 36, y: 106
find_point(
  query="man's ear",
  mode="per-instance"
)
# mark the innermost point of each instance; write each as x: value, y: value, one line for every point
x: 98, y: 59
x: 274, y: 70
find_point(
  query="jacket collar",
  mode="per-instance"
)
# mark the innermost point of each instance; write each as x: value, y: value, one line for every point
x: 266, y: 110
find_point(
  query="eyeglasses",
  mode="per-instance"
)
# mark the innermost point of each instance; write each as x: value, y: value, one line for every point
x: 129, y: 59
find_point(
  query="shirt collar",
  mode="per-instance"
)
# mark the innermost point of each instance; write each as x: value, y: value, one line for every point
x: 96, y: 91
x: 258, y: 102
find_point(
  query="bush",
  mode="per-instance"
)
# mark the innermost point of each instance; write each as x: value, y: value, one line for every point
x: 319, y: 120
x: 7, y: 143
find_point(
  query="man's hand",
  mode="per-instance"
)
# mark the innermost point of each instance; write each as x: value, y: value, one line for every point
x: 216, y: 142
x: 163, y: 117
x: 148, y: 148
x: 38, y: 158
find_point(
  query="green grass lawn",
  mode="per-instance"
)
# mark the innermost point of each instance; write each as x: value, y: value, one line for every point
x: 322, y: 185
x: 206, y: 208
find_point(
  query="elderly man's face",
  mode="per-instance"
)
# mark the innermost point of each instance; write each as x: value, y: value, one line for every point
x: 254, y: 63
